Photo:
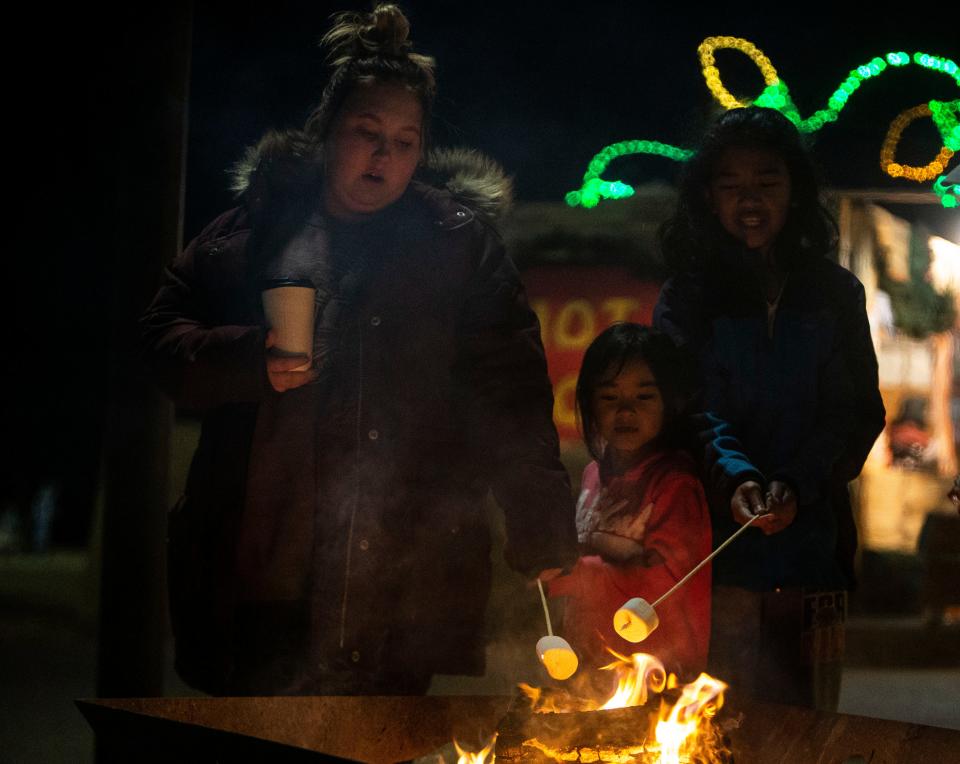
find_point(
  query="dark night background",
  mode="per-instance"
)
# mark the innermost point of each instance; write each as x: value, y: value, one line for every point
x: 95, y: 148
x: 540, y: 87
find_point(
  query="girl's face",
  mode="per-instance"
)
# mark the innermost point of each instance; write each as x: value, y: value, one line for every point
x: 750, y: 195
x: 629, y: 411
x: 372, y: 150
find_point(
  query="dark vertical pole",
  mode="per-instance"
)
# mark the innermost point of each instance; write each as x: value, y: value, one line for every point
x: 140, y: 112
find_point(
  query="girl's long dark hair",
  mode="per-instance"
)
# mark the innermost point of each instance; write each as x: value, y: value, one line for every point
x: 691, y: 237
x: 613, y: 349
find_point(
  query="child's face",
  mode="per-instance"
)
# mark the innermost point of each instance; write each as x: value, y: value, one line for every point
x: 629, y: 411
x: 750, y: 195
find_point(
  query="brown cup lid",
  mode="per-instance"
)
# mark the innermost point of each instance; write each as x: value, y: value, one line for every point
x: 276, y: 283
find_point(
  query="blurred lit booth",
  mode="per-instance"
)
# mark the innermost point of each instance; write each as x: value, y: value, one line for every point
x: 909, y: 530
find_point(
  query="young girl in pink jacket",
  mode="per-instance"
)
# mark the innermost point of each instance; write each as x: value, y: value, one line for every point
x: 642, y: 517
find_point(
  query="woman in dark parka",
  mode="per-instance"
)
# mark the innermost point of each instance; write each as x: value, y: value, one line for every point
x: 331, y: 538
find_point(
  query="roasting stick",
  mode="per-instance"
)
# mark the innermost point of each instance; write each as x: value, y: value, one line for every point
x: 546, y: 610
x: 709, y: 557
x: 637, y: 618
x: 554, y: 652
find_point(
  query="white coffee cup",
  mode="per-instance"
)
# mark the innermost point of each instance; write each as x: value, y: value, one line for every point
x: 288, y: 307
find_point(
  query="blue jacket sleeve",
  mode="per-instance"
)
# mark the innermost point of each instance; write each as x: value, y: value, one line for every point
x: 726, y: 464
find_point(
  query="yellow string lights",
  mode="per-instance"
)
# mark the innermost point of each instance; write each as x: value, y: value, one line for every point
x: 712, y: 75
x: 888, y: 151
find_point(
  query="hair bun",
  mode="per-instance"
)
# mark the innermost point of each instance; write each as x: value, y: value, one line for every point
x: 382, y: 33
x: 391, y: 29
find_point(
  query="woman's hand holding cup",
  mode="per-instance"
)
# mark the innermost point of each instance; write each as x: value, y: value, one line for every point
x: 289, y: 309
x: 286, y: 371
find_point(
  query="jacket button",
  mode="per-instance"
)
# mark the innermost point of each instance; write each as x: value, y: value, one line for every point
x: 364, y: 544
x: 461, y: 214
x: 375, y: 321
x: 355, y: 656
x: 373, y: 434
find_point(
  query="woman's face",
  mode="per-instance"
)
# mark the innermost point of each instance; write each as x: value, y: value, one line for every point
x: 372, y: 150
x: 750, y: 195
x: 629, y: 411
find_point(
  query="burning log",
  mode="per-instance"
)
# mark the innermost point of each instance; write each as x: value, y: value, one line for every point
x: 614, y: 736
x: 574, y: 736
x: 632, y: 727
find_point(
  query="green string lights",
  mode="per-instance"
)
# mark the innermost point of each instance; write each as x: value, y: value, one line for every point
x: 949, y: 193
x: 594, y: 189
x: 776, y: 95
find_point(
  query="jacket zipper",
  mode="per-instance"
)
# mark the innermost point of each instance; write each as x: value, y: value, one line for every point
x: 356, y: 495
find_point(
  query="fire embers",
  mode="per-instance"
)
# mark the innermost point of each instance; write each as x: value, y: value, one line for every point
x: 649, y: 718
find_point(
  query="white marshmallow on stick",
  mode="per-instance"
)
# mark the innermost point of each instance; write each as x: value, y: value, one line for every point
x: 637, y: 618
x: 554, y: 652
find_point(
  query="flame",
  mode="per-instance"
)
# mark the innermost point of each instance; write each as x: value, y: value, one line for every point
x: 478, y: 757
x: 533, y: 693
x: 682, y: 732
x: 637, y: 673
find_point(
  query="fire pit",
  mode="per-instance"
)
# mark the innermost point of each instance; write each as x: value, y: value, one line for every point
x: 380, y: 730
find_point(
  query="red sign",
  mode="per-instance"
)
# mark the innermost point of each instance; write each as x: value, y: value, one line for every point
x: 574, y: 305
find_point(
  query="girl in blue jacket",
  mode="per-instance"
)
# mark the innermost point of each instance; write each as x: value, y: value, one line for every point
x: 790, y: 404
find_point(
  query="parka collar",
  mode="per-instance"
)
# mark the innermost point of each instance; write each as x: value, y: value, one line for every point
x: 459, y: 185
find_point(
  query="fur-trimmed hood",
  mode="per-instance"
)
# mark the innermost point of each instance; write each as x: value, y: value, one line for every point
x: 284, y: 160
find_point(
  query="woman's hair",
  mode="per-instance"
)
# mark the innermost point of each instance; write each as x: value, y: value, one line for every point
x: 371, y: 48
x: 606, y: 357
x: 692, y: 236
